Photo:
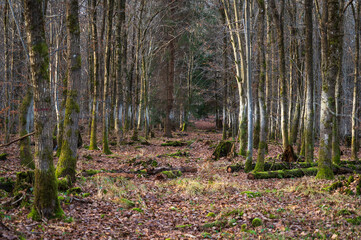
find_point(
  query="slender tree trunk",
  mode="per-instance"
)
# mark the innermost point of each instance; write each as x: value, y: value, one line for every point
x: 261, y: 90
x: 6, y: 73
x: 46, y: 203
x: 26, y: 157
x: 106, y: 97
x: 169, y: 90
x: 354, y: 131
x: 93, y: 131
x: 120, y: 72
x: 309, y: 111
x: 68, y: 157
x: 249, y: 87
x: 278, y: 19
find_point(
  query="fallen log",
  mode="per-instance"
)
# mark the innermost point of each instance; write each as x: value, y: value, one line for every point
x: 273, y: 166
x: 295, y: 173
x: 16, y: 140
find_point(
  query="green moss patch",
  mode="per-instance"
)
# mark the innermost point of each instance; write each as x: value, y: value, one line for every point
x: 3, y: 156
x: 256, y: 222
x: 171, y: 174
x: 174, y: 144
x: 355, y: 220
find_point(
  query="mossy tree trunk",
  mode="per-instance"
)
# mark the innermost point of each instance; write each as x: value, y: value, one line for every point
x: 309, y: 111
x: 278, y: 19
x: 106, y: 97
x: 46, y: 203
x: 247, y: 19
x: 68, y: 155
x: 332, y: 12
x: 6, y: 73
x: 354, y: 131
x: 93, y: 128
x: 120, y: 73
x: 262, y: 145
x: 26, y: 157
x: 336, y: 151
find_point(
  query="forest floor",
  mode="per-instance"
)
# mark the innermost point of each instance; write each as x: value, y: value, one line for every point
x: 209, y: 203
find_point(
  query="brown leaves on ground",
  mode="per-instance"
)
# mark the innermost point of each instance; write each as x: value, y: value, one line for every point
x: 209, y: 203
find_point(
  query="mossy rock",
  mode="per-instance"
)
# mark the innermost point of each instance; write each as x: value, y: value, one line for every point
x: 3, y: 156
x: 173, y: 144
x: 211, y: 214
x: 256, y: 222
x: 223, y: 149
x: 171, y: 174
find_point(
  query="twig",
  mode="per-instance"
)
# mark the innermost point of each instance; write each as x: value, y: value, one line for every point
x: 16, y: 140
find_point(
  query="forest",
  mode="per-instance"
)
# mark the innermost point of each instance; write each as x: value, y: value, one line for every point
x: 180, y: 119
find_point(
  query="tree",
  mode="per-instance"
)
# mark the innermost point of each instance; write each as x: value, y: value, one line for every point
x: 249, y: 86
x: 68, y: 156
x: 354, y: 131
x: 46, y: 203
x: 330, y: 45
x: 278, y: 19
x: 261, y: 89
x: 309, y: 111
x: 94, y: 32
x: 106, y: 97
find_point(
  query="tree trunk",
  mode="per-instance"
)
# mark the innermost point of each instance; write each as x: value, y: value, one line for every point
x: 46, y: 203
x: 330, y: 32
x: 106, y: 97
x: 93, y: 131
x: 354, y: 131
x: 6, y: 74
x: 309, y: 111
x: 26, y: 157
x: 261, y: 90
x: 249, y: 87
x: 120, y: 73
x: 278, y: 18
x: 68, y: 157
x: 169, y: 90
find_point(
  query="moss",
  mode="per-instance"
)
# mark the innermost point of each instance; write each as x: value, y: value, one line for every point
x: 46, y: 201
x: 84, y: 195
x: 217, y: 223
x: 127, y: 203
x: 90, y: 172
x: 211, y: 214
x: 174, y: 144
x: 248, y: 166
x: 138, y: 210
x: 355, y: 220
x: 251, y: 194
x: 3, y: 156
x: 333, y: 186
x: 223, y: 149
x: 179, y: 154
x: 74, y: 190
x: 256, y: 222
x: 7, y: 184
x: 172, y: 174
x: 67, y: 163
x: 64, y: 183
x: 234, y: 212
x: 184, y: 226
x: 350, y: 179
x: 244, y: 227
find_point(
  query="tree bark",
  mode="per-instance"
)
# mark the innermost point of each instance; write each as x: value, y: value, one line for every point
x: 46, y: 203
x: 68, y: 156
x: 278, y: 19
x: 93, y: 131
x: 330, y: 45
x: 106, y: 97
x: 309, y: 111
